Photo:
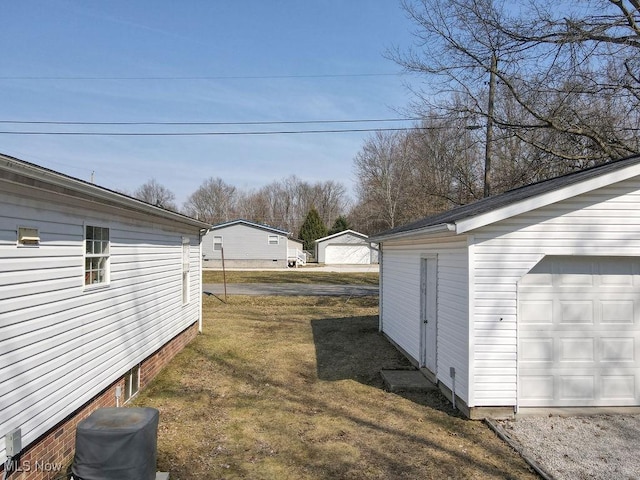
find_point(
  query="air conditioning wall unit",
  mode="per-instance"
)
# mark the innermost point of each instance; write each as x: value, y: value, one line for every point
x: 117, y: 444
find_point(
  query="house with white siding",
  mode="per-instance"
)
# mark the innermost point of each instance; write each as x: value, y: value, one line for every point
x: 346, y: 247
x: 245, y: 244
x: 524, y: 300
x: 98, y: 291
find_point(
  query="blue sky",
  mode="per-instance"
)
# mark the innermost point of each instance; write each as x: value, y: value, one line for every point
x: 198, y: 61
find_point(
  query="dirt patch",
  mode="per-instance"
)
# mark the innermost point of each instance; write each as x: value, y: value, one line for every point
x: 289, y: 387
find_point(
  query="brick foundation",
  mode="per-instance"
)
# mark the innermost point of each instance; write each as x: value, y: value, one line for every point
x: 50, y: 455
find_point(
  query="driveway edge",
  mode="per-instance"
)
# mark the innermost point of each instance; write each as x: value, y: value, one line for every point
x: 504, y: 436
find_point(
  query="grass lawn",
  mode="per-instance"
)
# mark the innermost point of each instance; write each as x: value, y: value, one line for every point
x: 292, y: 276
x: 289, y: 388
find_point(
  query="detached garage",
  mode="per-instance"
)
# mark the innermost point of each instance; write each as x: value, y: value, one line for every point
x: 526, y: 299
x: 346, y: 247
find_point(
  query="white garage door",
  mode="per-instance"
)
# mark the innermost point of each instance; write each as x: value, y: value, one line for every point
x: 579, y: 332
x: 353, y: 254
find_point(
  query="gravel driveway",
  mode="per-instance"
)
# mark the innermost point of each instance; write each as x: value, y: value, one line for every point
x: 579, y: 447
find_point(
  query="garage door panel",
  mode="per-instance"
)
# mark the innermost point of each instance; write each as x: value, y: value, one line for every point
x: 618, y: 350
x: 618, y: 387
x: 618, y: 311
x: 347, y: 254
x: 579, y: 333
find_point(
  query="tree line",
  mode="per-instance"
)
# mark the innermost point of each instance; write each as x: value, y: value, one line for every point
x: 282, y: 204
x: 511, y: 93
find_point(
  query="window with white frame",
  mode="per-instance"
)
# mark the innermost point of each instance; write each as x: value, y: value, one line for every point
x: 131, y: 382
x: 96, y: 263
x: 274, y: 239
x: 217, y: 242
x: 185, y: 270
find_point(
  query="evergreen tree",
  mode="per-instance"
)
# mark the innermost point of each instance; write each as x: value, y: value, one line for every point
x: 340, y: 225
x: 312, y: 229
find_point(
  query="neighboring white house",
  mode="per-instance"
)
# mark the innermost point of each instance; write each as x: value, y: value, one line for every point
x: 252, y: 245
x: 98, y: 291
x: 346, y: 247
x: 526, y: 299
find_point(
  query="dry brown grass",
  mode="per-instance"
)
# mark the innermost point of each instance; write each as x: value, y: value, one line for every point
x: 292, y: 276
x: 289, y: 388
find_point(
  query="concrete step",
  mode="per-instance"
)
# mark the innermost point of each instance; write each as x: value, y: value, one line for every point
x: 406, y: 380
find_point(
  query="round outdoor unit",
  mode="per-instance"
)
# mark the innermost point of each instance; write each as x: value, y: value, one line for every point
x: 117, y: 444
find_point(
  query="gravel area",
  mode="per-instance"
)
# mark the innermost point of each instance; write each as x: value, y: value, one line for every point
x: 579, y: 447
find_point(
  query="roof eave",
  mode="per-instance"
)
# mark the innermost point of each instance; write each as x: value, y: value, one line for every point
x: 430, y: 230
x: 542, y: 200
x: 89, y: 189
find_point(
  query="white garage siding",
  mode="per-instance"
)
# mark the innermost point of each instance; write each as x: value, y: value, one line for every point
x: 68, y: 342
x: 401, y: 301
x: 604, y: 222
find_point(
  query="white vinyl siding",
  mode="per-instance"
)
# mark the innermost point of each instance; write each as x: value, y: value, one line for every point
x: 401, y: 303
x: 68, y: 343
x: 604, y: 222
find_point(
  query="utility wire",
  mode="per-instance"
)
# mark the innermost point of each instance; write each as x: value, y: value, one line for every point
x: 187, y: 134
x: 274, y: 122
x: 213, y: 77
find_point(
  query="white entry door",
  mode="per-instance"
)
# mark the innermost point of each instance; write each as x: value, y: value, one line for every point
x: 579, y: 332
x: 429, y: 309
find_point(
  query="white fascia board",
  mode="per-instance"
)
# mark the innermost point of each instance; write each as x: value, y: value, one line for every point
x: 98, y: 193
x: 344, y: 232
x: 549, y: 198
x: 432, y: 229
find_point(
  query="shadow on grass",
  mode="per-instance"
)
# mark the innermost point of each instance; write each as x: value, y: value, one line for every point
x: 352, y: 348
x: 266, y: 394
x: 361, y: 362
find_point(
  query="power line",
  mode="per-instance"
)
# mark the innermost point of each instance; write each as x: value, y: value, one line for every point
x: 187, y: 134
x: 213, y: 77
x: 271, y: 122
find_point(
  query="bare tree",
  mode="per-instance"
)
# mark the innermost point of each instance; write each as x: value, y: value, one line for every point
x: 284, y: 204
x: 558, y: 76
x: 212, y: 202
x: 156, y: 194
x: 384, y: 172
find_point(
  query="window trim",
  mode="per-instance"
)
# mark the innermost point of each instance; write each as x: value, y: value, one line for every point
x: 105, y: 253
x: 221, y: 243
x: 186, y: 270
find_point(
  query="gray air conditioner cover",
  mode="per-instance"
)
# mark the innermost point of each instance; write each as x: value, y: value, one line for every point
x: 117, y: 444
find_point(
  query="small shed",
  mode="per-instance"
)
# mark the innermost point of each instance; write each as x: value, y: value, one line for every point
x: 247, y: 244
x: 346, y: 247
x: 527, y: 299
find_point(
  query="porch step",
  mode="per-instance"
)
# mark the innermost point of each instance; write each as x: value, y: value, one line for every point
x: 406, y: 380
